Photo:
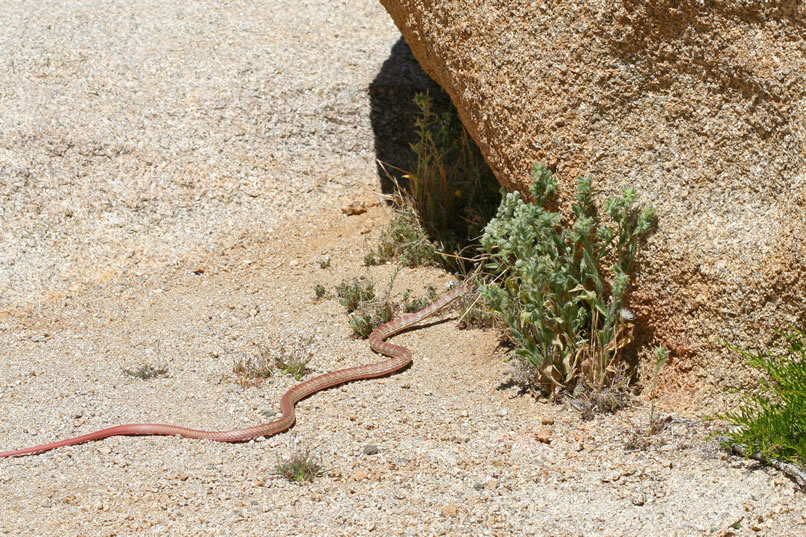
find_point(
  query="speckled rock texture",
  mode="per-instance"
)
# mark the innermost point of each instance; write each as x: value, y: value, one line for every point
x: 699, y: 105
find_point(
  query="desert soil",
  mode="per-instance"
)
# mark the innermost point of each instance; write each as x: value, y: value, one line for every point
x: 171, y: 186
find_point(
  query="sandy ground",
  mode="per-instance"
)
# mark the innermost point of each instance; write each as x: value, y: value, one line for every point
x: 171, y: 181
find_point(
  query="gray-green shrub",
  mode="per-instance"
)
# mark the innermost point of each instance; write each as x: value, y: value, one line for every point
x: 559, y: 290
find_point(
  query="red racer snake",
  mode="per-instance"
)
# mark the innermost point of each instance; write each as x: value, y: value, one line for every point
x: 400, y: 357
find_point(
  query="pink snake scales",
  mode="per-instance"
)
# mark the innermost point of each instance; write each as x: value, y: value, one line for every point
x: 400, y: 357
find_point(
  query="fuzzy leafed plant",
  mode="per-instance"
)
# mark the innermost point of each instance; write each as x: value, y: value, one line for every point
x: 559, y: 290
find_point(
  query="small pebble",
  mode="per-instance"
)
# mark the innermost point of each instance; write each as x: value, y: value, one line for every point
x: 543, y: 436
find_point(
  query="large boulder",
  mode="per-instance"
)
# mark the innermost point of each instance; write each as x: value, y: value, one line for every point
x: 699, y: 104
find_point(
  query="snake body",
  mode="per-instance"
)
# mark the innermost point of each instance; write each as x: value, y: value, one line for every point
x: 399, y: 357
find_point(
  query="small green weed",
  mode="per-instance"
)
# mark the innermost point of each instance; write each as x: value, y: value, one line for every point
x: 452, y: 189
x: 301, y: 467
x: 411, y: 305
x: 294, y: 362
x: 661, y: 357
x: 254, y: 369
x: 592, y: 399
x: 319, y: 290
x: 566, y: 316
x: 147, y: 371
x: 367, y: 311
x: 403, y: 239
x: 352, y: 295
x: 772, y: 418
x: 368, y: 318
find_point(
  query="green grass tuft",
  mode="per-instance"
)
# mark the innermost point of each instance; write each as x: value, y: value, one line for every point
x: 445, y: 202
x: 452, y: 189
x: 772, y: 419
x: 368, y: 318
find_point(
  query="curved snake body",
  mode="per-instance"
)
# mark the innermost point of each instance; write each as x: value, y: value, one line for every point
x: 400, y: 357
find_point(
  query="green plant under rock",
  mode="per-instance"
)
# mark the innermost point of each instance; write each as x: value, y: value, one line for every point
x: 772, y: 419
x: 452, y: 190
x: 444, y: 203
x: 561, y: 291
